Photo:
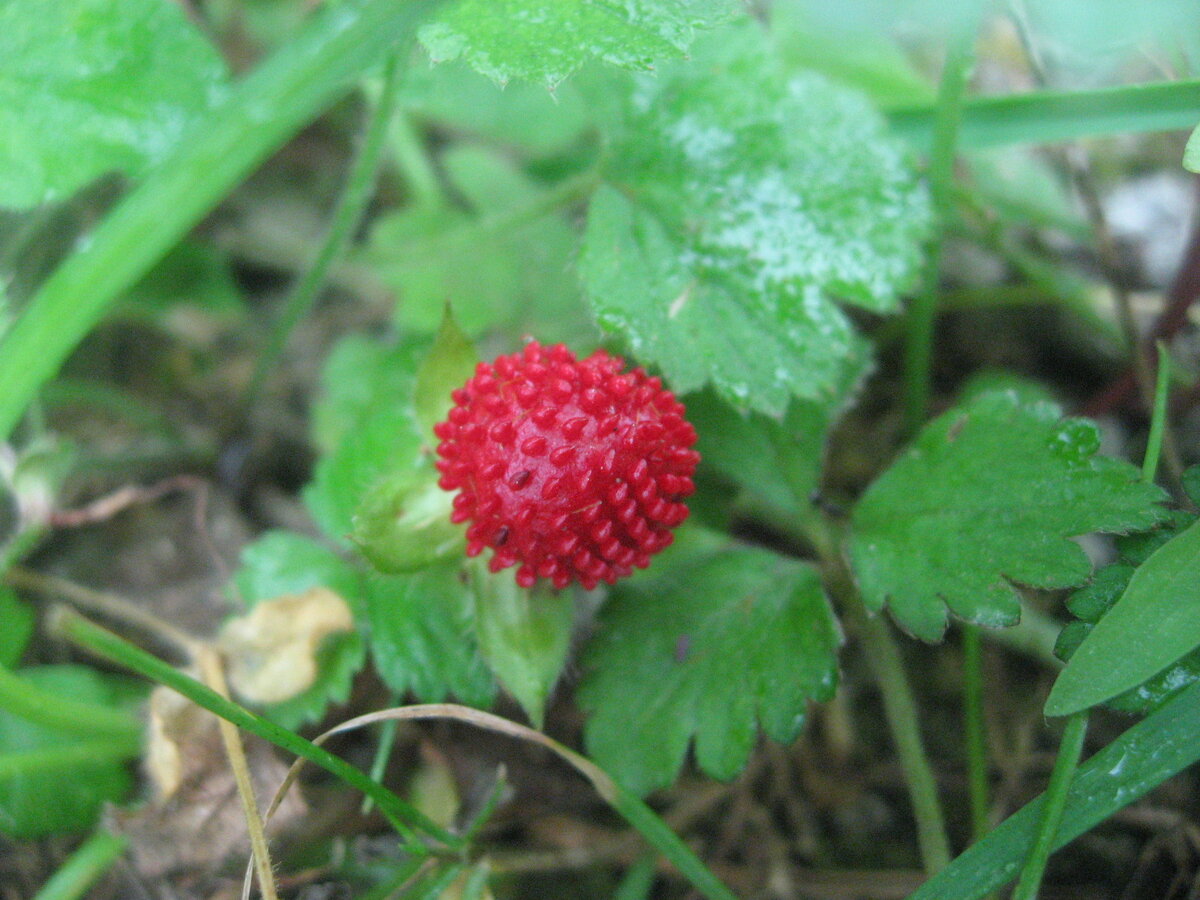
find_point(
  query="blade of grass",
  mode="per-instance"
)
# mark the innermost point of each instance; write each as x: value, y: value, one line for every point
x: 331, y: 53
x: 107, y: 645
x: 1145, y: 756
x: 1041, y: 117
x: 1065, y: 765
x: 654, y: 830
x: 84, y: 867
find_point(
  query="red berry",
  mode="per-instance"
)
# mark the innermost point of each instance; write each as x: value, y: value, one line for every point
x: 567, y: 467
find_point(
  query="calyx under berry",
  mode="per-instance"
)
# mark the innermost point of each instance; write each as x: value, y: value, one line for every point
x: 567, y: 468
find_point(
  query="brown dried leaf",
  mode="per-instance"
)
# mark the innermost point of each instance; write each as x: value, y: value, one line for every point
x: 271, y: 652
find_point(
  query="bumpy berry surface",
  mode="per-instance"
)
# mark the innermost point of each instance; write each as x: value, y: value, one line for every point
x: 564, y: 467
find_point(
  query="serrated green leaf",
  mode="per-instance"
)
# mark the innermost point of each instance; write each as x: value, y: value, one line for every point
x: 16, y: 626
x: 447, y: 366
x: 504, y: 261
x: 1154, y: 624
x: 422, y: 639
x: 361, y: 375
x: 281, y: 563
x: 59, y: 782
x: 744, y: 202
x: 94, y: 86
x: 988, y: 496
x: 779, y: 462
x: 518, y: 115
x: 384, y: 442
x: 547, y: 40
x: 710, y: 647
x: 523, y: 633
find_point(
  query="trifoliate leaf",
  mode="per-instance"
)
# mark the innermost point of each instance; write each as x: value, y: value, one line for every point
x: 502, y: 261
x: 547, y: 40
x: 52, y: 782
x: 422, y: 638
x: 283, y: 564
x: 987, y: 497
x: 95, y: 86
x: 708, y: 647
x: 1154, y: 624
x: 744, y: 201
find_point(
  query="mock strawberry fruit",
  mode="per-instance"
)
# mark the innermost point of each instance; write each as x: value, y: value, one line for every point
x: 566, y: 468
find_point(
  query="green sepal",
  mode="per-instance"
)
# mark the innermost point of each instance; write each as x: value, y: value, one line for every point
x: 447, y: 366
x: 403, y: 523
x: 524, y: 634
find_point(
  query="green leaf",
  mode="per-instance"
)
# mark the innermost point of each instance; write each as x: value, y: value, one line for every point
x: 523, y: 633
x: 16, y: 627
x: 547, y: 40
x: 194, y: 275
x: 51, y: 782
x: 706, y: 646
x: 1191, y: 153
x: 1155, y: 623
x: 361, y: 375
x: 94, y: 86
x: 1135, y: 763
x: 517, y: 115
x: 744, y: 202
x: 989, y: 495
x: 420, y: 628
x: 447, y: 366
x: 281, y: 563
x: 504, y: 261
x: 779, y: 462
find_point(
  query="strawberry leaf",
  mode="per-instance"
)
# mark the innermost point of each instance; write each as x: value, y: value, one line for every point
x: 282, y: 563
x: 708, y: 645
x: 989, y: 495
x: 744, y: 201
x: 95, y: 86
x: 421, y: 636
x: 520, y: 254
x: 547, y: 40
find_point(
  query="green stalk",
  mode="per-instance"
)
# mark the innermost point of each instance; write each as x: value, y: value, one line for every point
x: 976, y: 735
x: 883, y: 655
x: 360, y: 183
x: 899, y: 706
x: 107, y: 645
x: 1069, y: 752
x: 1158, y: 421
x: 922, y: 314
x: 25, y: 700
x: 84, y: 867
x: 336, y: 47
